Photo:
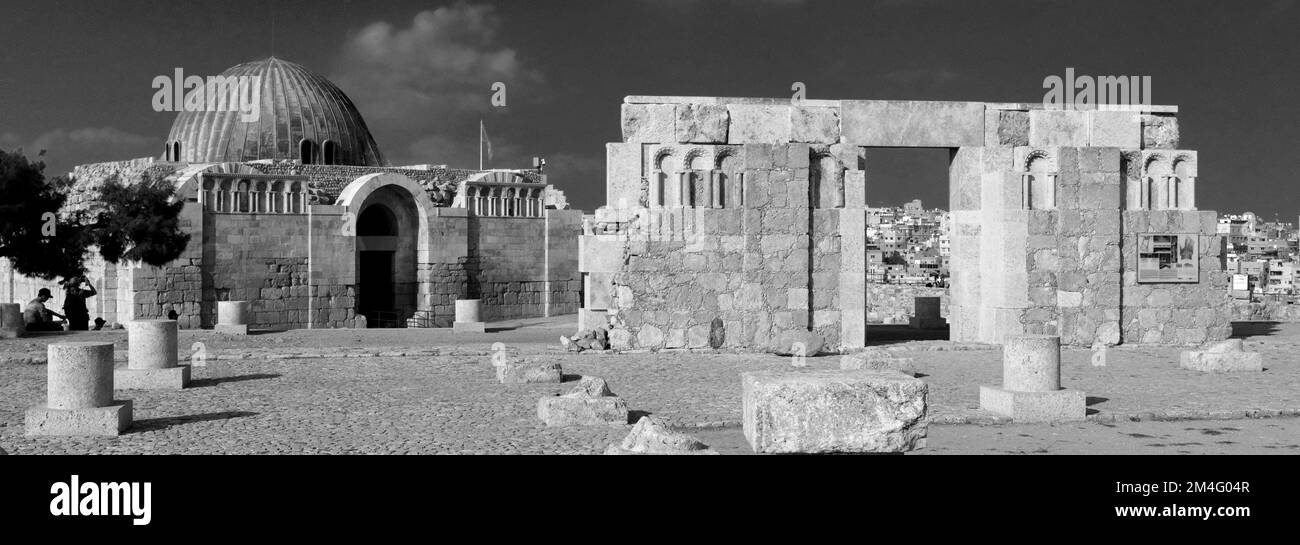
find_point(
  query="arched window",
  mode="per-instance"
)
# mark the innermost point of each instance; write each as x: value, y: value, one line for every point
x: 167, y: 151
x: 176, y: 150
x: 305, y: 149
x: 1039, y: 184
x: 329, y: 152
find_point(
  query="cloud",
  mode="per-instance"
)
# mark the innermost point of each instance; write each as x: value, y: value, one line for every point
x: 66, y: 148
x: 428, y: 83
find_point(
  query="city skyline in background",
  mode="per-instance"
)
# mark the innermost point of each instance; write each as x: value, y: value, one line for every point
x: 422, y: 73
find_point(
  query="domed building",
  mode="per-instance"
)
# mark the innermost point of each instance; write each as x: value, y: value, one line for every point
x: 296, y: 211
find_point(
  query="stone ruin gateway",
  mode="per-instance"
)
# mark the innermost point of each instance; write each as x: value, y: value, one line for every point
x: 738, y: 219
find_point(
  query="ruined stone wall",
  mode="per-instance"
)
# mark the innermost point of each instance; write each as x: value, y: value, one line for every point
x: 1169, y: 313
x: 1039, y: 229
x: 895, y: 303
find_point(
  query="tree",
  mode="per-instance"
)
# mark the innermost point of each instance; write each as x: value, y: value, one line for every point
x: 44, y: 238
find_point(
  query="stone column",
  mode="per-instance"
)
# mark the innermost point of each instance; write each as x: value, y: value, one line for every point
x: 1031, y: 383
x: 80, y: 393
x: 655, y: 193
x: 715, y: 189
x: 683, y: 189
x: 467, y: 317
x: 12, y: 325
x: 151, y: 358
x: 232, y: 317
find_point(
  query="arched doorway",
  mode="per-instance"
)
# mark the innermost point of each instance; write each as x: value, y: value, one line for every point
x: 386, y: 257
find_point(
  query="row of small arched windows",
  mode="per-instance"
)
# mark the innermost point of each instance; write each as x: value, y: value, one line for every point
x: 254, y: 196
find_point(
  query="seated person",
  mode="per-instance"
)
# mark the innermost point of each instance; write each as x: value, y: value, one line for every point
x: 39, y: 318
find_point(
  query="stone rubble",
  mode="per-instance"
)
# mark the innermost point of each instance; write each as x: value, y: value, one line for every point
x: 651, y: 435
x: 590, y: 403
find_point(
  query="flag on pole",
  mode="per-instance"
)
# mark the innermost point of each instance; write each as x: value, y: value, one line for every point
x: 484, y: 142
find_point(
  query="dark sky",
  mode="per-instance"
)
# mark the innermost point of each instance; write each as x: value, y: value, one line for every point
x: 75, y: 76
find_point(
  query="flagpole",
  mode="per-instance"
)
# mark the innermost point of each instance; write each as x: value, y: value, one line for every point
x: 480, y: 144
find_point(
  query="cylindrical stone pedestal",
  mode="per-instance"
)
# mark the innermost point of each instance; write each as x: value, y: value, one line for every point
x: 11, y: 321
x: 232, y: 317
x: 232, y: 312
x: 80, y: 375
x: 80, y: 400
x: 467, y: 317
x: 467, y: 310
x: 1031, y: 363
x: 152, y: 344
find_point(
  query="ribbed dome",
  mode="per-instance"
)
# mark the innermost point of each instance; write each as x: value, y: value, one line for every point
x: 296, y: 104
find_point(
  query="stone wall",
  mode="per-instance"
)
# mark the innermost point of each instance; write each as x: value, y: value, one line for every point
x: 895, y: 303
x: 742, y: 219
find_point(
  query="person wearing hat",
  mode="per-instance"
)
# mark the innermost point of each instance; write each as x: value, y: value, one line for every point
x: 39, y: 318
x: 75, y: 292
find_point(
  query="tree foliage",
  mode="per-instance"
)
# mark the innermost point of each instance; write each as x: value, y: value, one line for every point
x: 44, y: 238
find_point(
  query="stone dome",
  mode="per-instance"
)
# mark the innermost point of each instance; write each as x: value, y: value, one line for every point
x: 303, y: 117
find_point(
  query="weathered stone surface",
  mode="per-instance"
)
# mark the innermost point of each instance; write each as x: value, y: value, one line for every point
x: 1115, y: 129
x: 702, y: 123
x: 833, y: 411
x: 755, y: 124
x: 591, y: 387
x: 1054, y: 406
x: 170, y: 378
x: 523, y: 372
x: 787, y: 342
x: 1031, y: 363
x: 815, y: 125
x: 649, y: 123
x: 111, y: 419
x: 1058, y: 128
x: 1160, y: 132
x: 577, y: 409
x: 912, y: 123
x: 877, y: 360
x: 1012, y: 128
x: 651, y: 435
x: 1223, y: 357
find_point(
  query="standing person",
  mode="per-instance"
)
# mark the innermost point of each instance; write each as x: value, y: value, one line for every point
x: 39, y: 318
x: 74, y: 302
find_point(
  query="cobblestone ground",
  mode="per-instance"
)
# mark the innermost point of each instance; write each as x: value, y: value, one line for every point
x: 425, y: 391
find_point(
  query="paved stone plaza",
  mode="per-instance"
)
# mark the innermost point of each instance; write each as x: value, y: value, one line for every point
x: 425, y: 392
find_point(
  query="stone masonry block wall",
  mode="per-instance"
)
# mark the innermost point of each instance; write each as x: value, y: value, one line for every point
x: 1171, y: 313
x: 894, y: 303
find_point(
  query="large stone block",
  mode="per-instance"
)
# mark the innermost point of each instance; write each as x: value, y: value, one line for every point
x: 1115, y: 129
x: 816, y: 125
x: 1059, y: 405
x: 109, y: 420
x: 623, y: 174
x: 525, y: 372
x: 654, y: 123
x: 1223, y: 357
x: 702, y: 123
x: 1058, y: 128
x: 897, y: 123
x: 172, y: 378
x: 590, y: 403
x: 834, y: 411
x: 877, y: 360
x: 1159, y: 132
x: 651, y: 435
x: 759, y: 124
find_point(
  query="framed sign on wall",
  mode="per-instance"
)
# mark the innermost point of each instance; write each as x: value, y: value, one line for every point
x: 1168, y: 258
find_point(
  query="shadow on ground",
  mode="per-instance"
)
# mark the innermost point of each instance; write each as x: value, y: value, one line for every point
x: 154, y: 424
x: 206, y: 382
x: 1243, y: 330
